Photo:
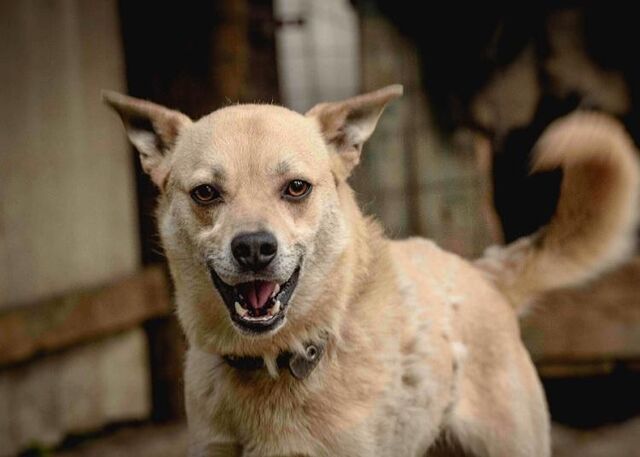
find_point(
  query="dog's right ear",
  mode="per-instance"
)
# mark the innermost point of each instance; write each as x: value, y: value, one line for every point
x: 347, y: 124
x: 151, y: 128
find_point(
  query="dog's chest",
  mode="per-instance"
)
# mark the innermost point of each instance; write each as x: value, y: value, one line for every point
x: 271, y: 416
x: 376, y: 410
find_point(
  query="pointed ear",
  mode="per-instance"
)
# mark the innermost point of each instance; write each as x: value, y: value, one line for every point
x: 151, y: 128
x: 347, y: 124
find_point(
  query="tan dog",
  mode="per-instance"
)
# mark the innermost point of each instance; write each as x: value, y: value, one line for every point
x: 310, y: 333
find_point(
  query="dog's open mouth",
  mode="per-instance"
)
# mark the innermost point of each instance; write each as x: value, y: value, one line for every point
x: 256, y: 306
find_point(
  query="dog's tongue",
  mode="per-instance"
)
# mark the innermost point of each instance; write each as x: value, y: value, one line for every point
x: 257, y: 293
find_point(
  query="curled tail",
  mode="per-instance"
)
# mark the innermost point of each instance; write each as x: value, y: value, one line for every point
x: 593, y: 228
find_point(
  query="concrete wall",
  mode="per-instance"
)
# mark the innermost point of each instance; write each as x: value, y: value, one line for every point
x: 67, y: 217
x: 75, y: 391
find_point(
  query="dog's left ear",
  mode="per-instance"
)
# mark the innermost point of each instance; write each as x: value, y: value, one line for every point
x: 347, y: 124
x: 152, y: 129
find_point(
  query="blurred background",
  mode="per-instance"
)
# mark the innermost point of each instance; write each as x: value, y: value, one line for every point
x: 90, y: 352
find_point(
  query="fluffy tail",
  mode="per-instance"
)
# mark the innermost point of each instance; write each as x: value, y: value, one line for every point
x: 593, y: 228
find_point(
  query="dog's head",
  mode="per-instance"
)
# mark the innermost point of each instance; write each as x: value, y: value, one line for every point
x: 250, y: 212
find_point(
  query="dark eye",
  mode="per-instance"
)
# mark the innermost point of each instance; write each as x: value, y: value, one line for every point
x: 205, y: 194
x: 297, y: 189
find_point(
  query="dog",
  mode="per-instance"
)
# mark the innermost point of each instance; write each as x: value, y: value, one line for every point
x: 311, y: 334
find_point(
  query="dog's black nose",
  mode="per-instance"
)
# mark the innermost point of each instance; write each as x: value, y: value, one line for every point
x: 254, y: 251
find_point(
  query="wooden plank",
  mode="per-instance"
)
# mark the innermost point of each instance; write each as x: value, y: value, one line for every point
x: 598, y: 322
x: 619, y: 440
x: 165, y: 440
x: 167, y: 347
x: 83, y: 316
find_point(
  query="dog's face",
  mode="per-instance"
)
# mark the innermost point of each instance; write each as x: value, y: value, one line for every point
x: 251, y: 188
x: 250, y: 203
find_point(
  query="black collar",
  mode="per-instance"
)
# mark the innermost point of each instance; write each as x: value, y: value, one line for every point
x: 300, y: 365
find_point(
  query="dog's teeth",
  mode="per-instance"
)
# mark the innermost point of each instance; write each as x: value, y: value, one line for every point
x: 240, y: 310
x: 275, y: 309
x: 276, y: 289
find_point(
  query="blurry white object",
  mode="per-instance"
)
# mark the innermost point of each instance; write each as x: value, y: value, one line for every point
x: 318, y: 49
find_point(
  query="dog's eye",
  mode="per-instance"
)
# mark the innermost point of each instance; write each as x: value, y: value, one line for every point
x: 205, y: 194
x: 297, y: 189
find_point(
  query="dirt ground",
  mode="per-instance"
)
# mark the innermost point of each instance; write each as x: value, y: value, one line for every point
x: 621, y: 440
x: 151, y: 440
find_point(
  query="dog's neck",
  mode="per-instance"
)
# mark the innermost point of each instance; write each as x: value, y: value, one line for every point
x: 299, y: 365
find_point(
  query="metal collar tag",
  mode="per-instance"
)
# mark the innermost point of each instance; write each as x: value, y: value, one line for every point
x: 301, y: 365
